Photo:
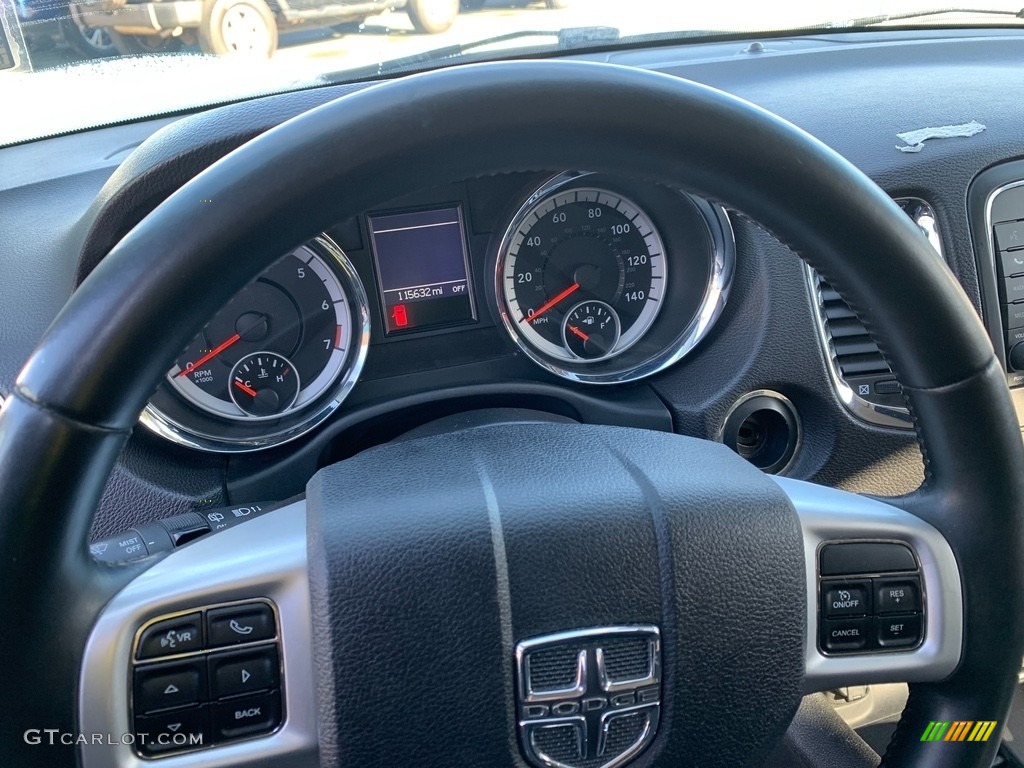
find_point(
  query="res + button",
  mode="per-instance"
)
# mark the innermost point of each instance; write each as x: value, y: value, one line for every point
x: 897, y: 596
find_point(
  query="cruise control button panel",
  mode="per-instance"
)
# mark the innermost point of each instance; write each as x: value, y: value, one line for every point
x: 870, y: 598
x: 206, y: 677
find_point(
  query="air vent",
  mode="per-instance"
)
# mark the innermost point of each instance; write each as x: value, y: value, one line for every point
x: 862, y: 378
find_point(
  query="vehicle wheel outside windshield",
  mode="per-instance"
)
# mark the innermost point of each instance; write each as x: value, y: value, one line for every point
x: 238, y: 26
x: 91, y: 42
x: 432, y: 16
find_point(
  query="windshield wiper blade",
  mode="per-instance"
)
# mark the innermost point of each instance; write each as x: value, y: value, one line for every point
x: 883, y: 18
x: 568, y: 38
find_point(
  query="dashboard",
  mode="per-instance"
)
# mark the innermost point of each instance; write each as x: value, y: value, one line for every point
x: 552, y: 293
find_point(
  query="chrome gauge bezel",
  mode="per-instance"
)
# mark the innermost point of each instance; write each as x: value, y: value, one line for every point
x: 621, y: 369
x: 162, y: 424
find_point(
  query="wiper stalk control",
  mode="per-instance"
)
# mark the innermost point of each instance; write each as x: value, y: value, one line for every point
x: 172, y: 532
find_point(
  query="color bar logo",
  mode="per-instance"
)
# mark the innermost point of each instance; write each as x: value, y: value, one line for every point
x: 959, y: 730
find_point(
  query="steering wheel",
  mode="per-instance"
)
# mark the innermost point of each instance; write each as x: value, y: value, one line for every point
x: 424, y: 591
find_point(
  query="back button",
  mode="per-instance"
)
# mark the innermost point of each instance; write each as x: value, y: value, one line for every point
x: 247, y: 716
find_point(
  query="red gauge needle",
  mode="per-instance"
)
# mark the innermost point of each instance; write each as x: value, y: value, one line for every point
x: 567, y: 292
x: 248, y: 390
x: 576, y: 331
x: 209, y: 355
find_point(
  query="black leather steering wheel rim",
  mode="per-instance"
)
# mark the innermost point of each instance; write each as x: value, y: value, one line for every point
x: 62, y: 427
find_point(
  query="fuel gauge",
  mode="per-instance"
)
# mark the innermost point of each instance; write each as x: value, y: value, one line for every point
x: 591, y: 330
x: 264, y: 384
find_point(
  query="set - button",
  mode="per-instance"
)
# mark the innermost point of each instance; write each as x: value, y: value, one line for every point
x: 899, y: 631
x: 207, y: 677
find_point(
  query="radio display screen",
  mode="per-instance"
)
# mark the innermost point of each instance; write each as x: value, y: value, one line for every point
x: 422, y: 269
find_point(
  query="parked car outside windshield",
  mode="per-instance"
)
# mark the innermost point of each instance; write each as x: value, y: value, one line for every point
x: 71, y: 65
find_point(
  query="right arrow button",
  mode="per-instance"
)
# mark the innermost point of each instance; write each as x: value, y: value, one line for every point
x: 232, y: 674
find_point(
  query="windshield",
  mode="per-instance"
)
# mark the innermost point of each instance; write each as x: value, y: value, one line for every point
x: 65, y: 65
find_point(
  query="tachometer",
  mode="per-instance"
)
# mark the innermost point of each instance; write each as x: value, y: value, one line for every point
x: 583, y: 245
x: 274, y: 361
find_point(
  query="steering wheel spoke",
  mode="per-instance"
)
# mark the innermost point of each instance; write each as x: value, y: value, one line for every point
x: 166, y: 624
x: 884, y: 598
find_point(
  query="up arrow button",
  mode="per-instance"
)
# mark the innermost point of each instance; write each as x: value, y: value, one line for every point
x: 162, y: 686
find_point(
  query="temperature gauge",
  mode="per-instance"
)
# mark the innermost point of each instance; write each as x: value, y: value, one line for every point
x: 591, y: 330
x: 264, y: 384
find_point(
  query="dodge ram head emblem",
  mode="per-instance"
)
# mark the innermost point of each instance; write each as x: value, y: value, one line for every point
x: 588, y: 698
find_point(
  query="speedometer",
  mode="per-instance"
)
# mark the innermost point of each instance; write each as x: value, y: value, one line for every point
x: 583, y: 245
x: 601, y: 279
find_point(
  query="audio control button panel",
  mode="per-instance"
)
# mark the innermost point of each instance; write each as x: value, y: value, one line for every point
x: 871, y: 598
x: 205, y: 677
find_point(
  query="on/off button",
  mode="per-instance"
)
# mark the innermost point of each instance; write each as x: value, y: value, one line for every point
x: 845, y: 599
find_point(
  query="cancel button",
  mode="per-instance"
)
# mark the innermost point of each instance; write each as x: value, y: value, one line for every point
x: 845, y: 599
x: 844, y: 634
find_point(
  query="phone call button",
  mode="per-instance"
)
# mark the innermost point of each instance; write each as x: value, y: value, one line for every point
x: 240, y: 624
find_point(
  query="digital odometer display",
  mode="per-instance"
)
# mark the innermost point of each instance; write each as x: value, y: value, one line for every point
x: 422, y: 269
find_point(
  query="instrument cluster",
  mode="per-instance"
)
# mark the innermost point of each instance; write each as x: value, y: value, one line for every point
x: 596, y: 279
